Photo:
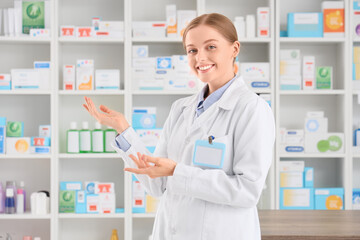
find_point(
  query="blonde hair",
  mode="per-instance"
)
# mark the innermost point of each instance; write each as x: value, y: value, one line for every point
x: 217, y: 21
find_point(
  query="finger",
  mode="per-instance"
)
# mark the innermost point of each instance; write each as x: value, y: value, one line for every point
x: 86, y: 107
x: 137, y: 161
x: 105, y: 109
x: 150, y: 159
x: 140, y: 157
x: 136, y: 171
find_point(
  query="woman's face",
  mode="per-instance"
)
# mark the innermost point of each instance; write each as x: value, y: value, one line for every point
x: 210, y: 55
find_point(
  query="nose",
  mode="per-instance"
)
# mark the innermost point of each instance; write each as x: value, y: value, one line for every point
x: 201, y: 56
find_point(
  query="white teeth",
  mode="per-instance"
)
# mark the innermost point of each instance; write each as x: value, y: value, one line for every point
x: 205, y: 67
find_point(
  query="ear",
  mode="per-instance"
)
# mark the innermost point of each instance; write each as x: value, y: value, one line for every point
x: 236, y: 46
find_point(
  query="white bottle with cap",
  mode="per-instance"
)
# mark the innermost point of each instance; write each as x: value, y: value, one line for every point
x: 97, y: 139
x: 240, y: 26
x: 250, y: 26
x: 85, y: 138
x: 72, y: 139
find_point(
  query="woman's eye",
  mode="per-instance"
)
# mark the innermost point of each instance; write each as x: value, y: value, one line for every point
x: 212, y: 47
x: 191, y: 51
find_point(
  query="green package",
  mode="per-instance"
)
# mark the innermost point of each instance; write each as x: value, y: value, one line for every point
x: 323, y: 78
x: 15, y: 129
x: 67, y: 201
x: 33, y: 15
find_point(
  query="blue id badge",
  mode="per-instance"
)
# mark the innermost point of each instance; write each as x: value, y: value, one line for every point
x: 209, y: 154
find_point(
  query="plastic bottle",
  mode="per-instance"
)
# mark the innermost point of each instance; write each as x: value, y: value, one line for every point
x: 12, y: 185
x: 20, y: 201
x: 240, y: 26
x: 22, y: 187
x: 97, y: 139
x: 10, y: 201
x: 85, y: 138
x: 110, y: 135
x: 250, y: 26
x: 72, y: 139
x: 2, y: 199
x: 114, y: 235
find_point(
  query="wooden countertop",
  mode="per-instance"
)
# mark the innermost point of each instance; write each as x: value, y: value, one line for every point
x: 309, y: 224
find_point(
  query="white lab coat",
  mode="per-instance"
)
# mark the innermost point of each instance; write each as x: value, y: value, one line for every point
x: 203, y: 203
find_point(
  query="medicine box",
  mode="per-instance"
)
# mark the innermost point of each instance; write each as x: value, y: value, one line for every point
x: 151, y: 204
x: 289, y: 82
x: 290, y: 68
x: 92, y: 203
x: 293, y: 141
x: 148, y: 62
x: 263, y: 22
x: 107, y: 203
x: 2, y: 139
x: 149, y: 29
x: 291, y: 179
x: 71, y: 186
x: 329, y: 198
x: 15, y: 129
x: 308, y: 82
x: 334, y: 21
x: 309, y: 177
x: 45, y: 131
x: 324, y: 78
x: 90, y: 187
x: 40, y: 150
x: 171, y: 21
x: 138, y: 198
x: 184, y: 17
x: 67, y: 201
x: 163, y: 63
x: 316, y: 125
x: 25, y: 78
x: 107, y: 79
x: 356, y: 198
x: 144, y: 118
x: 305, y: 24
x: 102, y: 187
x: 40, y: 141
x: 149, y: 137
x: 297, y: 198
x: 324, y: 143
x: 5, y: 82
x: 292, y: 166
x: 44, y: 74
x: 140, y: 51
x: 69, y: 77
x: 80, y: 205
x: 15, y: 145
x: 256, y: 75
x: 289, y: 54
x: 85, y: 75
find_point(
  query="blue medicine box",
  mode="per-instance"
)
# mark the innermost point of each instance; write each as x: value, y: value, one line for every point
x: 297, y: 198
x: 329, y: 198
x: 80, y: 204
x: 2, y: 139
x: 305, y: 24
x: 144, y: 118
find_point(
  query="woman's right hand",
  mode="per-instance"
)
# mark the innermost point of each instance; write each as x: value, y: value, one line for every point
x: 107, y: 117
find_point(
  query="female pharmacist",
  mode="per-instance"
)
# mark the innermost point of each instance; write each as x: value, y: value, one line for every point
x: 211, y: 162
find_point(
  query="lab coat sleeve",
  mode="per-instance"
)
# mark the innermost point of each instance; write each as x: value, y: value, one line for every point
x: 155, y: 187
x: 252, y: 152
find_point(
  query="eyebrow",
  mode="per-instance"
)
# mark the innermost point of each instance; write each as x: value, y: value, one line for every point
x: 209, y: 40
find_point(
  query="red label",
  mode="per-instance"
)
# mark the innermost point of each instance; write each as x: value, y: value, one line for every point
x: 93, y: 207
x: 2, y: 77
x: 104, y: 188
x: 102, y: 33
x: 68, y: 87
x: 67, y: 31
x: 138, y: 202
x: 39, y: 141
x: 84, y: 32
x: 308, y: 84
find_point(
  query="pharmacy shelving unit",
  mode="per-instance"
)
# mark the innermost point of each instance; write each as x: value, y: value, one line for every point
x: 330, y: 170
x: 354, y: 103
x: 59, y: 107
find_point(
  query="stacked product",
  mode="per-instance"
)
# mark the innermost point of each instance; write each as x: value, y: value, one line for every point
x: 161, y: 73
x: 263, y: 24
x: 89, y: 141
x: 141, y: 201
x: 328, y: 23
x: 297, y: 189
x: 356, y: 19
x: 31, y: 78
x: 26, y: 18
x: 356, y: 198
x: 99, y: 29
x: 356, y: 68
x: 144, y: 123
x: 312, y: 78
x: 256, y: 74
x: 12, y: 141
x: 96, y: 197
x: 81, y: 77
x: 176, y: 21
x: 315, y: 138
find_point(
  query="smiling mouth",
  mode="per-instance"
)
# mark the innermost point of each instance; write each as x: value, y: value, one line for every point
x: 205, y: 68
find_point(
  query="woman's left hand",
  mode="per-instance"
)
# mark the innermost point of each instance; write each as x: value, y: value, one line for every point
x: 152, y: 166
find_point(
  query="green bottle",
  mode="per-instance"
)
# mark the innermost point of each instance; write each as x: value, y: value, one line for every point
x: 72, y: 139
x: 85, y: 138
x: 97, y: 139
x: 109, y: 137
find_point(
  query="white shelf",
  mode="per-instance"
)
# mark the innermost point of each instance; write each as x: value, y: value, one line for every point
x: 313, y: 92
x: 161, y: 92
x: 144, y: 215
x: 156, y: 40
x: 94, y: 92
x: 89, y: 155
x: 254, y: 40
x: 25, y: 156
x: 90, y: 40
x: 311, y: 40
x: 90, y: 216
x: 24, y: 92
x: 312, y: 155
x: 356, y: 155
x: 356, y: 92
x: 260, y: 91
x: 23, y: 216
x: 27, y: 40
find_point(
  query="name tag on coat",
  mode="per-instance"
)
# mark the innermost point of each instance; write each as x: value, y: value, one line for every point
x: 209, y: 154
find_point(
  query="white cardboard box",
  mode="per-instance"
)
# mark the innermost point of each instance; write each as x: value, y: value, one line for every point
x: 324, y: 143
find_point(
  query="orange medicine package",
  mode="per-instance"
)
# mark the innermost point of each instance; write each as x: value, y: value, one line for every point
x: 334, y: 21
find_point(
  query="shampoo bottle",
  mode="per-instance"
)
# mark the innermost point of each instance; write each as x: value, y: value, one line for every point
x: 110, y: 135
x: 114, y: 235
x: 72, y: 139
x: 10, y: 201
x: 22, y: 187
x: 85, y: 138
x: 97, y: 137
